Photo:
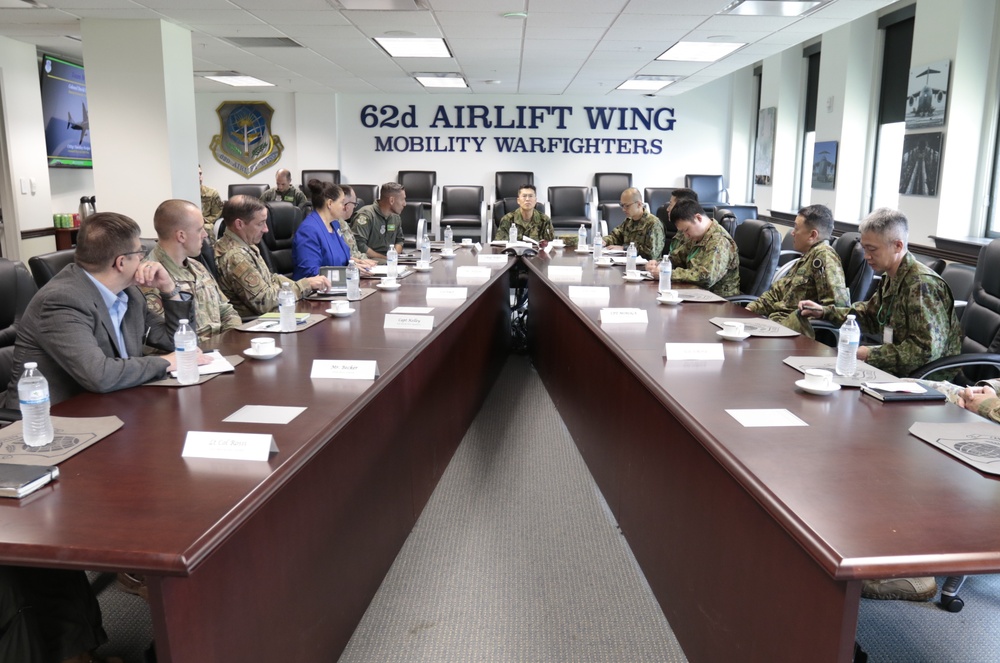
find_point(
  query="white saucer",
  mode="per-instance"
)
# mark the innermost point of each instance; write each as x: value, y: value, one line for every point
x: 732, y: 337
x: 249, y: 352
x: 422, y: 269
x: 382, y: 286
x: 579, y: 250
x: 631, y: 280
x: 669, y: 302
x: 801, y: 384
x: 340, y: 314
x: 605, y: 264
x: 447, y: 256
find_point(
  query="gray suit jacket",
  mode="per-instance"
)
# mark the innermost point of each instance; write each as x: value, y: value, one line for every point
x: 67, y: 330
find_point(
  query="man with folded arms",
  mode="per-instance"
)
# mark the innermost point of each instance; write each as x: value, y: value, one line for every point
x: 243, y: 275
x: 639, y: 226
x: 817, y: 276
x: 181, y: 234
x: 702, y: 252
x: 526, y: 218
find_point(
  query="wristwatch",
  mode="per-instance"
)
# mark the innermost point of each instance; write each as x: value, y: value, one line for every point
x: 173, y: 293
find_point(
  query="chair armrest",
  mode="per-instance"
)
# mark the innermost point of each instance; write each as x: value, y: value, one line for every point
x: 9, y: 415
x: 742, y: 300
x: 958, y: 361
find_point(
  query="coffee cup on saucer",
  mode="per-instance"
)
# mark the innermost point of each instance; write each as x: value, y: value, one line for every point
x: 388, y: 282
x: 817, y: 378
x: 341, y: 306
x: 733, y: 328
x: 669, y: 295
x: 633, y: 274
x: 604, y: 261
x: 423, y: 264
x: 262, y: 346
x: 466, y: 240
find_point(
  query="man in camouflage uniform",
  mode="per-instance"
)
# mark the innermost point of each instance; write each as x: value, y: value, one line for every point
x: 528, y: 220
x: 243, y: 275
x: 639, y: 226
x: 377, y: 226
x: 179, y: 228
x: 702, y: 252
x: 211, y: 206
x: 817, y: 275
x: 284, y: 190
x: 350, y: 204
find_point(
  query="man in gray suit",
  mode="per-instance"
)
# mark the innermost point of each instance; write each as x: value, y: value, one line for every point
x: 86, y: 328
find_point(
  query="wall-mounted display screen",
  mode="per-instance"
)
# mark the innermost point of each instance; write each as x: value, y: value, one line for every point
x: 64, y: 108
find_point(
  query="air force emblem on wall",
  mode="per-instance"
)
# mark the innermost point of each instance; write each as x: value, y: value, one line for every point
x: 245, y: 142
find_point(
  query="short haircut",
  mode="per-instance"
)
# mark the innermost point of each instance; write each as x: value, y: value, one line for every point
x: 102, y: 238
x: 634, y: 194
x: 685, y: 210
x: 348, y: 189
x: 388, y: 190
x: 818, y: 218
x: 684, y: 194
x: 170, y: 216
x: 321, y: 191
x: 241, y: 207
x: 526, y: 186
x: 284, y: 172
x: 887, y: 223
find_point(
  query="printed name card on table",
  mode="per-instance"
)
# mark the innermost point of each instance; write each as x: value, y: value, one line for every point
x: 344, y: 369
x: 695, y: 351
x: 565, y: 273
x: 493, y: 259
x: 460, y: 294
x: 589, y: 295
x: 623, y: 315
x: 418, y: 322
x: 228, y: 446
x: 473, y: 272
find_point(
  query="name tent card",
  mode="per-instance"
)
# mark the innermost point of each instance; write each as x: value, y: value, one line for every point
x: 418, y: 322
x: 623, y: 315
x: 694, y: 351
x: 478, y: 247
x: 419, y: 310
x: 499, y: 259
x: 448, y: 293
x: 474, y: 272
x: 344, y: 369
x: 565, y: 273
x: 228, y: 446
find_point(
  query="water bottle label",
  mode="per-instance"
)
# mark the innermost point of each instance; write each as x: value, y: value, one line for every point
x: 35, y: 401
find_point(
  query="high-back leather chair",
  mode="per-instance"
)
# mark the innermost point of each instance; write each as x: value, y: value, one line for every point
x: 569, y: 206
x: 612, y: 215
x: 247, y: 189
x: 758, y: 243
x: 711, y: 189
x: 283, y: 219
x: 410, y: 218
x: 788, y: 252
x: 16, y: 290
x: 45, y: 266
x: 609, y: 186
x: 464, y: 209
x: 961, y: 279
x: 727, y: 220
x: 421, y: 189
x: 505, y: 188
x: 857, y: 272
x: 657, y: 199
x: 332, y: 176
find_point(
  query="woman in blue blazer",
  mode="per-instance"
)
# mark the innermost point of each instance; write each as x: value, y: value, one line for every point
x: 319, y: 241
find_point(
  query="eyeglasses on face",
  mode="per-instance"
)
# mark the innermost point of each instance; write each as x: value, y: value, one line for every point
x: 141, y: 252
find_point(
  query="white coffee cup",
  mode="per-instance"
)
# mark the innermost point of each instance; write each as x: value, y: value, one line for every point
x: 466, y: 240
x: 262, y: 346
x: 388, y: 282
x: 447, y: 252
x: 733, y: 328
x: 341, y: 306
x: 604, y: 261
x: 633, y: 274
x: 669, y: 295
x: 423, y: 264
x: 819, y: 378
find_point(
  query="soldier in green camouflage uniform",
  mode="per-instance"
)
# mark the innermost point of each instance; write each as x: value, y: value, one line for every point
x: 702, y: 252
x: 639, y: 226
x: 913, y: 307
x: 179, y: 227
x: 528, y: 220
x: 284, y: 190
x: 243, y: 275
x: 817, y: 275
x: 377, y: 226
x: 211, y: 206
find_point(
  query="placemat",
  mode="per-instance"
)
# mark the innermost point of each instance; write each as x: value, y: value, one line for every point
x: 259, y: 327
x: 73, y: 435
x: 757, y: 327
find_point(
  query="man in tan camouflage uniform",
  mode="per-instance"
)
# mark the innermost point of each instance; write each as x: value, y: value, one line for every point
x: 817, y: 275
x: 377, y: 226
x: 702, y: 252
x: 180, y: 231
x: 284, y: 190
x: 243, y: 275
x: 639, y: 226
x: 211, y: 206
x: 529, y: 221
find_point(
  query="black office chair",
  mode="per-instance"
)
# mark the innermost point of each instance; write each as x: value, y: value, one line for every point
x: 247, y: 189
x: 421, y: 189
x: 613, y: 216
x: 657, y: 199
x: 45, y: 266
x: 366, y: 195
x: 410, y: 218
x: 961, y: 279
x: 283, y: 219
x: 569, y: 207
x: 727, y: 220
x: 16, y: 290
x: 8, y: 414
x: 858, y: 273
x: 936, y: 264
x: 464, y: 209
x: 758, y: 243
x: 788, y: 252
x: 207, y: 258
x: 507, y: 182
x: 609, y: 186
x: 711, y: 189
x: 321, y: 175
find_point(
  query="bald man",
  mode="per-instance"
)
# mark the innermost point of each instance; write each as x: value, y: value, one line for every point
x: 284, y: 190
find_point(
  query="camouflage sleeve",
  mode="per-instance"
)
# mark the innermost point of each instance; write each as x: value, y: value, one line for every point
x: 705, y: 265
x: 546, y: 231
x: 656, y: 239
x: 831, y: 290
x: 153, y: 301
x: 268, y: 195
x: 258, y: 292
x: 348, y: 237
x: 211, y: 211
x: 926, y: 332
x: 616, y: 237
x: 503, y: 230
x: 227, y: 313
x: 300, y: 198
x: 866, y: 313
x: 362, y: 228
x: 768, y: 302
x: 990, y: 408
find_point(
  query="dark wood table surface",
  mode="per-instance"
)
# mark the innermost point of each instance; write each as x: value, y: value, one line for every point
x: 754, y: 540
x: 275, y: 560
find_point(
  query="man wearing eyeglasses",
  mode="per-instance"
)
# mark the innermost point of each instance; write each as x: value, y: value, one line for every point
x: 639, y: 226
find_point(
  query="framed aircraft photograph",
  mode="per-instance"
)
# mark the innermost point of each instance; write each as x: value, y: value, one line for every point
x: 764, y: 154
x: 918, y: 172
x: 927, y: 95
x: 824, y: 172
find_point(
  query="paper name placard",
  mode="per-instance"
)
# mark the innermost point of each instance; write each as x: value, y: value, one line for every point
x: 491, y: 259
x: 474, y: 272
x: 344, y: 369
x: 448, y: 293
x: 228, y: 446
x: 590, y: 294
x: 395, y: 321
x: 565, y: 273
x: 418, y: 310
x: 698, y: 351
x: 478, y: 247
x: 623, y: 315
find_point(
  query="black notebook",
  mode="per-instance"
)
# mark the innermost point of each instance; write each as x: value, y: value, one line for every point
x: 21, y: 480
x: 871, y: 388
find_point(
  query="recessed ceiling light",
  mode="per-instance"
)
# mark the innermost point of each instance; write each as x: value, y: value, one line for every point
x: 238, y: 80
x: 699, y: 51
x: 773, y: 7
x: 516, y: 15
x: 449, y: 80
x: 644, y: 84
x: 414, y: 47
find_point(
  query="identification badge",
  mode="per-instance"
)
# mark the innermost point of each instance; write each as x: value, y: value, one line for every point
x: 392, y: 227
x: 887, y: 335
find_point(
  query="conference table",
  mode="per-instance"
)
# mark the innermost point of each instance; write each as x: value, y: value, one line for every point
x: 754, y: 539
x: 275, y: 560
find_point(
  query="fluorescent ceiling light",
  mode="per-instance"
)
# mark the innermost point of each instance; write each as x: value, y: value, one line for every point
x: 441, y: 80
x: 414, y: 47
x: 644, y: 84
x: 238, y: 80
x: 699, y: 51
x: 773, y: 7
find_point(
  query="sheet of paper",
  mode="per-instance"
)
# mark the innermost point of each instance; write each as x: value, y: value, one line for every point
x: 694, y: 351
x: 762, y: 418
x: 264, y: 414
x: 343, y: 369
x: 623, y: 315
x: 219, y: 364
x: 412, y: 310
x: 229, y: 446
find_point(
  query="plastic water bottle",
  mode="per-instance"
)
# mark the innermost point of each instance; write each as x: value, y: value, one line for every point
x: 33, y: 392
x: 581, y: 237
x: 425, y: 249
x: 665, y: 271
x: 186, y: 349
x: 630, y: 256
x: 847, y: 347
x: 512, y: 237
x: 354, y: 281
x: 598, y: 246
x: 449, y: 238
x: 286, y: 307
x: 391, y: 262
